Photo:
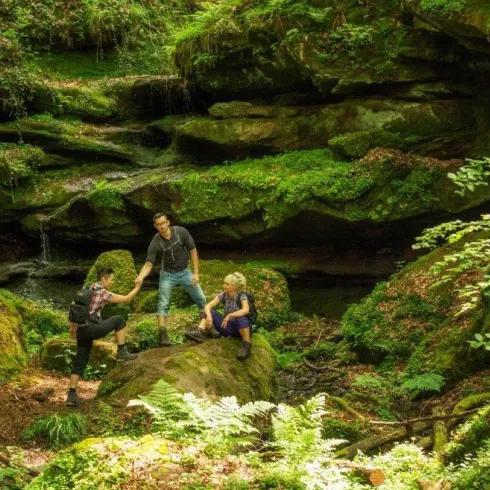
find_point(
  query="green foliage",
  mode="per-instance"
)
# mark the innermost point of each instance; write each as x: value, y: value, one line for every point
x: 201, y: 37
x: 57, y: 430
x: 105, y: 195
x: 18, y: 78
x: 139, y: 30
x: 473, y: 174
x: 18, y: 162
x: 473, y: 473
x: 15, y: 476
x: 450, y: 232
x: 290, y: 178
x: 445, y: 7
x: 423, y: 382
x: 219, y: 426
x: 468, y: 437
x: 345, y: 40
x: 480, y: 341
x: 342, y: 429
x: 474, y: 256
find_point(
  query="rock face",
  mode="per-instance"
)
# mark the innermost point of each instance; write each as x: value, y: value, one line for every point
x: 417, y: 318
x: 209, y: 370
x: 270, y: 81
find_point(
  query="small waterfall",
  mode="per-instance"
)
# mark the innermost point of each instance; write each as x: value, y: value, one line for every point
x: 45, y: 258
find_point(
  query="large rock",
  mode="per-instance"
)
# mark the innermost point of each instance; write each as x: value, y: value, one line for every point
x: 415, y: 318
x: 209, y: 370
x: 122, y: 262
x: 240, y: 129
x: 269, y: 288
x: 13, y: 355
x: 294, y: 198
x: 467, y: 21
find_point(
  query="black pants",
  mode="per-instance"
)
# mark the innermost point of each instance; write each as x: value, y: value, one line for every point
x: 86, y: 336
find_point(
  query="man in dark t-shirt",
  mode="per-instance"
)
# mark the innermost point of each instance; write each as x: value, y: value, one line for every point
x: 172, y: 247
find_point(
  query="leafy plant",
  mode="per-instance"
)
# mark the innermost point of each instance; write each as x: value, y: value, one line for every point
x: 474, y: 173
x: 57, y: 430
x: 480, y: 341
x: 423, y: 382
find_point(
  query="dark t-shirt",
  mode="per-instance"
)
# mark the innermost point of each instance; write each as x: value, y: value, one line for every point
x: 175, y: 251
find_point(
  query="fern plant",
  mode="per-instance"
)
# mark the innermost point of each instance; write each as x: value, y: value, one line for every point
x: 423, y: 382
x: 474, y: 173
x: 219, y: 424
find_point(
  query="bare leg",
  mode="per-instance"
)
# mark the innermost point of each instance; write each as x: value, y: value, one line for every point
x: 245, y: 334
x: 162, y: 321
x: 120, y: 336
x: 74, y: 379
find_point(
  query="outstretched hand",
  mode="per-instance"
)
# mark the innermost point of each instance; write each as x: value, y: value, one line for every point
x: 225, y: 321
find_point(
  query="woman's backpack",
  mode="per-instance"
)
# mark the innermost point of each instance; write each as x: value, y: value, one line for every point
x: 252, y: 310
x: 78, y: 312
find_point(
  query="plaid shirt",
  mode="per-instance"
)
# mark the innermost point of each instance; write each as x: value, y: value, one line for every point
x: 99, y: 299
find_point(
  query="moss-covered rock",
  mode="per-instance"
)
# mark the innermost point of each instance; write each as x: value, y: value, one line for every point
x: 241, y: 129
x: 57, y: 354
x: 13, y: 355
x: 468, y: 21
x: 269, y: 288
x: 414, y: 317
x: 122, y: 262
x: 257, y: 198
x: 358, y: 144
x: 209, y: 370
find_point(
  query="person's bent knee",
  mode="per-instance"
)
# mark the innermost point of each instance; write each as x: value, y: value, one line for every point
x: 119, y: 323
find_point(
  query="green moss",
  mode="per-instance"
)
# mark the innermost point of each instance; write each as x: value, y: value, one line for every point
x: 121, y: 261
x: 357, y: 145
x: 444, y: 7
x: 18, y: 162
x: 13, y: 357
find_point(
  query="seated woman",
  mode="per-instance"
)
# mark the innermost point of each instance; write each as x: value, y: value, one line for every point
x: 235, y: 322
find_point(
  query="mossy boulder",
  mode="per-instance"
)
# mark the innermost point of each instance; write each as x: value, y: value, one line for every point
x: 122, y: 262
x: 209, y: 370
x: 268, y: 286
x: 38, y: 323
x: 415, y: 318
x: 57, y: 354
x: 13, y: 355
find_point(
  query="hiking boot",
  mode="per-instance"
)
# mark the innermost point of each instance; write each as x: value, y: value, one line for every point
x: 212, y: 333
x: 196, y: 334
x: 123, y: 355
x: 163, y: 340
x: 72, y: 399
x: 244, y: 351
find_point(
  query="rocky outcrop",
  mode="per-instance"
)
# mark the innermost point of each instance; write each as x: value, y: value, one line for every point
x: 420, y: 316
x: 309, y: 192
x: 209, y: 370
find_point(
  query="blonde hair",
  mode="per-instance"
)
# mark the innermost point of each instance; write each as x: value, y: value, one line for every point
x: 237, y: 279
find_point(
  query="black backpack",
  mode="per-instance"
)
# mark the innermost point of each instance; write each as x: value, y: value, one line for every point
x: 252, y: 313
x: 78, y: 312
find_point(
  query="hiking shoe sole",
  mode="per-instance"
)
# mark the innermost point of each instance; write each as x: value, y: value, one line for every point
x: 195, y: 338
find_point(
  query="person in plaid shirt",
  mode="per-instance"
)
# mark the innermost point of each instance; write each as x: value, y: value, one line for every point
x: 86, y: 334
